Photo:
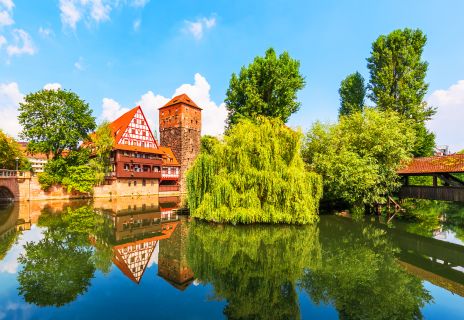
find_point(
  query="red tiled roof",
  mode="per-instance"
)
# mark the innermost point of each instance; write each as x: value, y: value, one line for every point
x: 169, y: 154
x: 439, y: 164
x: 119, y: 125
x: 183, y: 98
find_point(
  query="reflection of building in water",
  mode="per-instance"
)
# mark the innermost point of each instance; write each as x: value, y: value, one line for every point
x: 14, y: 218
x: 172, y: 258
x: 139, y: 224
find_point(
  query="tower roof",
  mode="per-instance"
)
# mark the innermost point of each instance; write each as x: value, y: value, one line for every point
x: 182, y: 98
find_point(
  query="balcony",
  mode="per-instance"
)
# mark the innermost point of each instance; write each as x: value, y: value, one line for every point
x: 138, y: 174
x: 169, y: 175
x: 167, y: 188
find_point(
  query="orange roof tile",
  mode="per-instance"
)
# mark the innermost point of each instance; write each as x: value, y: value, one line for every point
x: 439, y: 164
x: 182, y: 98
x: 137, y: 149
x: 119, y: 125
x: 168, y: 152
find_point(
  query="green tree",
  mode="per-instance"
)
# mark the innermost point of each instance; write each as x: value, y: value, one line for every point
x: 358, y: 157
x: 101, y: 143
x: 9, y: 151
x: 398, y: 81
x: 54, y: 121
x: 254, y: 267
x: 352, y: 93
x: 267, y: 87
x: 255, y: 175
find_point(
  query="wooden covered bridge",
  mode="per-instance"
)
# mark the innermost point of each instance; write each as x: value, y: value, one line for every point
x: 447, y: 185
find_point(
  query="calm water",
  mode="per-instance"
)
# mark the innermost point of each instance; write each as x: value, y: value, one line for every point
x: 135, y: 258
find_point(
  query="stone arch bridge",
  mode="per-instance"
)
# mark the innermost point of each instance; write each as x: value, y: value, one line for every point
x: 14, y: 185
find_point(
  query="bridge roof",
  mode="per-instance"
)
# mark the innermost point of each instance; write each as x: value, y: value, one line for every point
x: 453, y: 163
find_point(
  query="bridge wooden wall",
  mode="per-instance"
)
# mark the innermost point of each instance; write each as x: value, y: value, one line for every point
x: 432, y: 193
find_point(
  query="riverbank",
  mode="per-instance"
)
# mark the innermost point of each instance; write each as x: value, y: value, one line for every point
x: 26, y: 187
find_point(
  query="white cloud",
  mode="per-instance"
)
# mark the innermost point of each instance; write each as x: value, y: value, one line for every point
x: 150, y: 104
x: 5, y: 18
x: 111, y: 109
x: 22, y: 44
x: 8, y: 4
x: 447, y: 122
x: 46, y: 32
x: 2, y: 41
x: 100, y: 11
x: 52, y: 86
x: 79, y: 64
x: 10, y: 97
x: 70, y: 14
x: 213, y: 115
x: 197, y: 28
x: 73, y: 11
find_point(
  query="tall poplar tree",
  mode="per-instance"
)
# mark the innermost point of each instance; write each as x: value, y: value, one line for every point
x: 267, y: 87
x: 352, y: 93
x: 398, y: 81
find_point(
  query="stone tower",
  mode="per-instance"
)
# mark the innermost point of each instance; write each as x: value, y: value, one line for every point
x: 180, y: 129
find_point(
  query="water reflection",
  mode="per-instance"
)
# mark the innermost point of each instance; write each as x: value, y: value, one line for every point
x: 254, y: 268
x: 360, y: 275
x: 58, y: 268
x: 79, y: 238
x: 100, y: 250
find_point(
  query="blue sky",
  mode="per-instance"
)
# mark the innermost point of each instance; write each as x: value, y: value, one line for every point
x: 116, y: 53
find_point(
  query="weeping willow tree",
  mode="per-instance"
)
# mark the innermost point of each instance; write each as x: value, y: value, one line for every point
x: 255, y: 175
x: 255, y: 268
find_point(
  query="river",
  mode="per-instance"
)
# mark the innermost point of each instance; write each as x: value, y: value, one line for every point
x: 137, y: 258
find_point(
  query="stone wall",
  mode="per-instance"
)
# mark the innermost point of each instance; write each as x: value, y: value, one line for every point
x: 185, y: 144
x: 29, y: 189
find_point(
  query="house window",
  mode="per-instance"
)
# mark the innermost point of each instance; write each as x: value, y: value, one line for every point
x: 129, y: 184
x: 135, y: 183
x: 126, y: 167
x: 144, y: 183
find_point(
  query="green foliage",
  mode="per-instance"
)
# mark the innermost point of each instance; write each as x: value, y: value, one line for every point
x: 101, y: 142
x: 66, y: 171
x: 398, y: 74
x: 80, y: 178
x: 54, y: 121
x: 360, y: 276
x: 9, y: 151
x: 358, y: 157
x: 425, y: 141
x: 398, y: 81
x: 255, y: 175
x: 267, y: 87
x: 208, y: 143
x: 255, y: 268
x: 352, y: 93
